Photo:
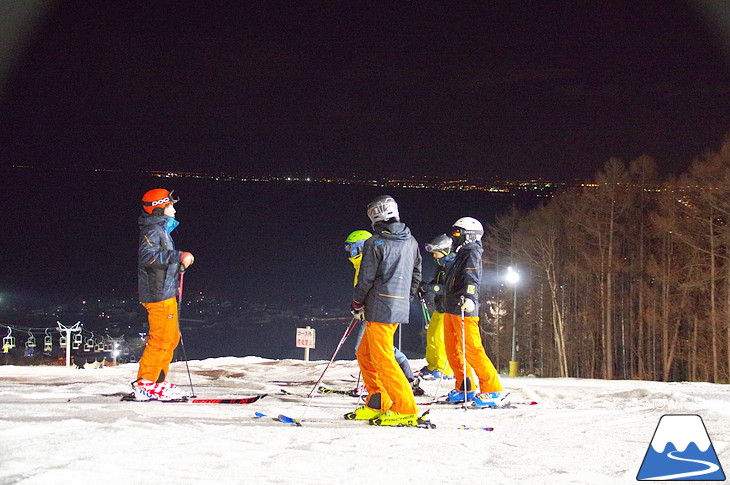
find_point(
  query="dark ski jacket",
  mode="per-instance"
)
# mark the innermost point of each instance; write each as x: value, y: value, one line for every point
x: 390, y: 273
x: 158, y: 261
x: 463, y: 277
x: 436, y: 286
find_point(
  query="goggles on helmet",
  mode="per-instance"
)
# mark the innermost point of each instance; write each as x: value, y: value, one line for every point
x: 434, y: 248
x: 162, y: 202
x: 354, y: 248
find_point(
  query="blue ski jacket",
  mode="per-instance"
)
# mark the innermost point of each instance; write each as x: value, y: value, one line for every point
x: 158, y: 262
x: 390, y: 273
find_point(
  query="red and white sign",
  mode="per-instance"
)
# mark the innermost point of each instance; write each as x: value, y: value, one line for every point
x: 306, y: 337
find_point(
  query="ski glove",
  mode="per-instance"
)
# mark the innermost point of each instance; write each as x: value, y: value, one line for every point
x: 358, y: 310
x: 468, y: 305
x: 186, y: 259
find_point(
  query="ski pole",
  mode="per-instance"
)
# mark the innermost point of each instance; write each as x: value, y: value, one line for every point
x: 427, y: 319
x: 182, y: 342
x: 426, y: 316
x: 463, y: 351
x: 339, y: 345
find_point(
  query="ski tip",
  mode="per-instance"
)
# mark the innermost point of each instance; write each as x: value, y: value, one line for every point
x: 288, y: 420
x: 463, y: 426
x: 259, y: 415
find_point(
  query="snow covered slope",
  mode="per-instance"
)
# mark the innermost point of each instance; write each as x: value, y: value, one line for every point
x: 61, y: 425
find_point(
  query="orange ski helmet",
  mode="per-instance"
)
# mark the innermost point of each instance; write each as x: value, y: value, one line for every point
x: 157, y: 198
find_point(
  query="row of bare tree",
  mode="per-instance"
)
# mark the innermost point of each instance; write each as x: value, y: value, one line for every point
x: 627, y: 277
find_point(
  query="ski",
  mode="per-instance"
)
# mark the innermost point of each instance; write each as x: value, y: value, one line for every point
x: 288, y: 420
x: 321, y: 390
x: 423, y: 422
x: 475, y: 428
x: 506, y: 405
x: 284, y: 392
x: 282, y: 418
x: 351, y: 392
x: 239, y: 400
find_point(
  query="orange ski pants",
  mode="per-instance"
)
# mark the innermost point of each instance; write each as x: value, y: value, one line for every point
x: 163, y: 338
x: 380, y: 371
x: 476, y: 356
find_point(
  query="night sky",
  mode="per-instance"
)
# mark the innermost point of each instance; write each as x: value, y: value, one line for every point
x: 516, y: 89
x: 510, y: 89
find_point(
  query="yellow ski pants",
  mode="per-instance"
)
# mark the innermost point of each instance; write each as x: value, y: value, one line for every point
x: 435, y: 348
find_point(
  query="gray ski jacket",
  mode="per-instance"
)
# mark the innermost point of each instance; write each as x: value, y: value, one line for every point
x: 390, y: 273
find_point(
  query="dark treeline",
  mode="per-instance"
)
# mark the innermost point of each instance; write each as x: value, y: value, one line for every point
x: 624, y: 278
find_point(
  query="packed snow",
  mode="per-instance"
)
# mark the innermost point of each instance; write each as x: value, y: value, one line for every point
x: 65, y: 425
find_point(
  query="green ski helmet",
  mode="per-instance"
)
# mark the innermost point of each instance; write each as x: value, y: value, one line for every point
x: 354, y: 242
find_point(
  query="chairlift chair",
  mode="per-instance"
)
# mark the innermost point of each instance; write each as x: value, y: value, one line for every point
x: 8, y: 341
x: 47, y: 343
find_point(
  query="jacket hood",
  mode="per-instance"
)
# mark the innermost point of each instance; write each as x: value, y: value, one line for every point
x: 392, y: 230
x: 167, y: 223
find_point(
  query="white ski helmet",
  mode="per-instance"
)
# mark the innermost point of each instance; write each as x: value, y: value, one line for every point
x: 383, y: 208
x: 466, y: 229
x: 441, y: 244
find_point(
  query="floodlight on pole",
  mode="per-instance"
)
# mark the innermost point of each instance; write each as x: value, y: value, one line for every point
x: 513, y: 277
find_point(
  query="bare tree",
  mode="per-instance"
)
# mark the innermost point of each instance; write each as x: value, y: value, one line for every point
x: 538, y: 242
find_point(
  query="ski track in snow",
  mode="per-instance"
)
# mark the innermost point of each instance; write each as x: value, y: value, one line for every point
x: 61, y: 425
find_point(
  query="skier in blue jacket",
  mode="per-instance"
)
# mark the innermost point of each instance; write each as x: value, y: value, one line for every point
x: 158, y: 271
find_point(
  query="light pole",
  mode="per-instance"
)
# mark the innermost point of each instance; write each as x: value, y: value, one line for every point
x: 512, y: 278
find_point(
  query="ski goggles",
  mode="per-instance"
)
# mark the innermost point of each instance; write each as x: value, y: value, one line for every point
x: 354, y: 248
x: 430, y: 248
x: 162, y: 202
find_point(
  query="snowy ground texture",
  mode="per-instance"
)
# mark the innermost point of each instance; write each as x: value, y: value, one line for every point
x: 60, y: 425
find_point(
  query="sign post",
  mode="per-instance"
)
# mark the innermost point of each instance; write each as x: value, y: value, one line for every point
x: 306, y: 338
